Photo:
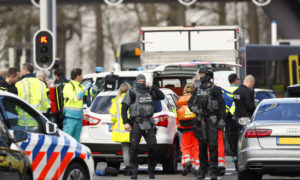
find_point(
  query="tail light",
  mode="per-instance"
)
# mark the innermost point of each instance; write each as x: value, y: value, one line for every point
x: 120, y: 153
x: 162, y: 120
x: 90, y: 120
x: 252, y: 133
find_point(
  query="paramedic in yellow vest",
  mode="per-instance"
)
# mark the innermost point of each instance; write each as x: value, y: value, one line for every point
x: 33, y: 91
x: 185, y: 123
x: 230, y: 123
x: 119, y: 134
x: 73, y: 103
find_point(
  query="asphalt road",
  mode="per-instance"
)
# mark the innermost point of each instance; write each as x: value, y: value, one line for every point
x: 229, y: 175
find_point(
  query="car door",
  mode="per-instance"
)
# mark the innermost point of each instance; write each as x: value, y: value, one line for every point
x: 42, y: 149
x: 10, y: 160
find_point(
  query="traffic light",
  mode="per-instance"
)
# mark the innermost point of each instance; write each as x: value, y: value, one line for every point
x: 43, y: 49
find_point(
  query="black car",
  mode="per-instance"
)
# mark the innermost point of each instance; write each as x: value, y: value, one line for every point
x: 14, y: 163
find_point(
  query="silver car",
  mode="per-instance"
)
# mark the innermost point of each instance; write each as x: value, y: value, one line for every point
x: 270, y: 144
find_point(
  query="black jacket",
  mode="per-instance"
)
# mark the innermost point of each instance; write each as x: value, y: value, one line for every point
x: 244, y: 101
x: 61, y: 80
x: 216, y: 94
x: 154, y: 92
x: 9, y: 88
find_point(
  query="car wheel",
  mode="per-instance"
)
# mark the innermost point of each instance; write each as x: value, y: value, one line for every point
x: 75, y: 171
x: 114, y: 165
x: 247, y: 175
x: 170, y: 165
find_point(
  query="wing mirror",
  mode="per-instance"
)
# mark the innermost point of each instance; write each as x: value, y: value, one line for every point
x: 20, y: 135
x: 51, y: 128
x: 244, y: 121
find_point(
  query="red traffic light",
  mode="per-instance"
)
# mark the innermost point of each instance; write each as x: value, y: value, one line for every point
x: 44, y: 39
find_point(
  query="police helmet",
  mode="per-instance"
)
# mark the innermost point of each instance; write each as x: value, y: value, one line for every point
x: 206, y: 70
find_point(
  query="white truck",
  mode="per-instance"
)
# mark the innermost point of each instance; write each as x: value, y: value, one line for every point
x: 161, y: 45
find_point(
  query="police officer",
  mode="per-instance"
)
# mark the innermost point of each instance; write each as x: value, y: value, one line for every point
x: 244, y: 100
x: 208, y: 104
x: 139, y: 101
x: 73, y: 93
x: 32, y: 89
x: 231, y: 126
x: 8, y: 84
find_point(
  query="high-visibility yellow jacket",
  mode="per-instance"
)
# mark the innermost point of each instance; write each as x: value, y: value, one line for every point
x: 73, y: 104
x: 231, y: 89
x: 34, y: 92
x: 119, y: 133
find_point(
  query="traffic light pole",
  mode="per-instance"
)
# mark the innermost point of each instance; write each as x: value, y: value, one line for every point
x: 48, y: 19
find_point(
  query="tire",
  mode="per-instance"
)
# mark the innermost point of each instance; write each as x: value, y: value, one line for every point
x: 75, y: 171
x: 247, y: 175
x: 114, y: 165
x: 171, y: 164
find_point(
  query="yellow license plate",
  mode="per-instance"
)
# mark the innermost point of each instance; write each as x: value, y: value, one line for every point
x: 291, y: 140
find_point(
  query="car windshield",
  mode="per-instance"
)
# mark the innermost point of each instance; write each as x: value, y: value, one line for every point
x: 264, y: 95
x: 278, y: 112
x: 101, y: 104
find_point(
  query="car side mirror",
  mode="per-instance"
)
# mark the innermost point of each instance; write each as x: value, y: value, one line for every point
x: 244, y: 121
x: 51, y: 128
x: 20, y: 135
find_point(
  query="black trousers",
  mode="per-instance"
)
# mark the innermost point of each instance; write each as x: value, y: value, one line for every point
x: 135, y: 135
x: 211, y: 123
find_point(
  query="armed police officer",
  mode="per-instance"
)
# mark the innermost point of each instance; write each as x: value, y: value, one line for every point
x: 139, y: 101
x: 207, y: 102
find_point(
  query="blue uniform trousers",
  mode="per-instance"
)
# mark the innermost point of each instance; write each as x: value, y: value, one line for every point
x: 73, y: 127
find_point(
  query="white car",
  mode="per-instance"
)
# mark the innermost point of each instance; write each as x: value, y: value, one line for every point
x: 53, y: 153
x: 97, y: 133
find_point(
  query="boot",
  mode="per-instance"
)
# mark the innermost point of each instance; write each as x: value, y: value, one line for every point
x: 201, y: 174
x: 127, y: 171
x: 186, y: 168
x: 133, y: 173
x: 213, y: 176
x: 151, y: 174
x: 221, y: 171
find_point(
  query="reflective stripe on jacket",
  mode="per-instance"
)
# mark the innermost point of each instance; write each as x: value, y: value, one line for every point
x: 184, y: 114
x: 231, y: 89
x: 34, y: 92
x: 73, y: 104
x: 119, y: 133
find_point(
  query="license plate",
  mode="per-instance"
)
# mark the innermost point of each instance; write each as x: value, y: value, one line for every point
x: 110, y: 127
x: 289, y: 140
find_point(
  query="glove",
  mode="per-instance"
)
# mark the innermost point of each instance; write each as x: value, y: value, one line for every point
x: 88, y: 85
x: 80, y: 95
x: 95, y: 88
x: 221, y: 124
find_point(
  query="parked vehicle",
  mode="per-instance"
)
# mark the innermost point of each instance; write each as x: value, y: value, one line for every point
x: 261, y: 94
x: 270, y: 143
x: 97, y: 133
x: 53, y: 153
x: 160, y: 45
x: 14, y: 163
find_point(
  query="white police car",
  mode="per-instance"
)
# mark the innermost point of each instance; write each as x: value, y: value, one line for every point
x: 97, y: 133
x: 53, y: 153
